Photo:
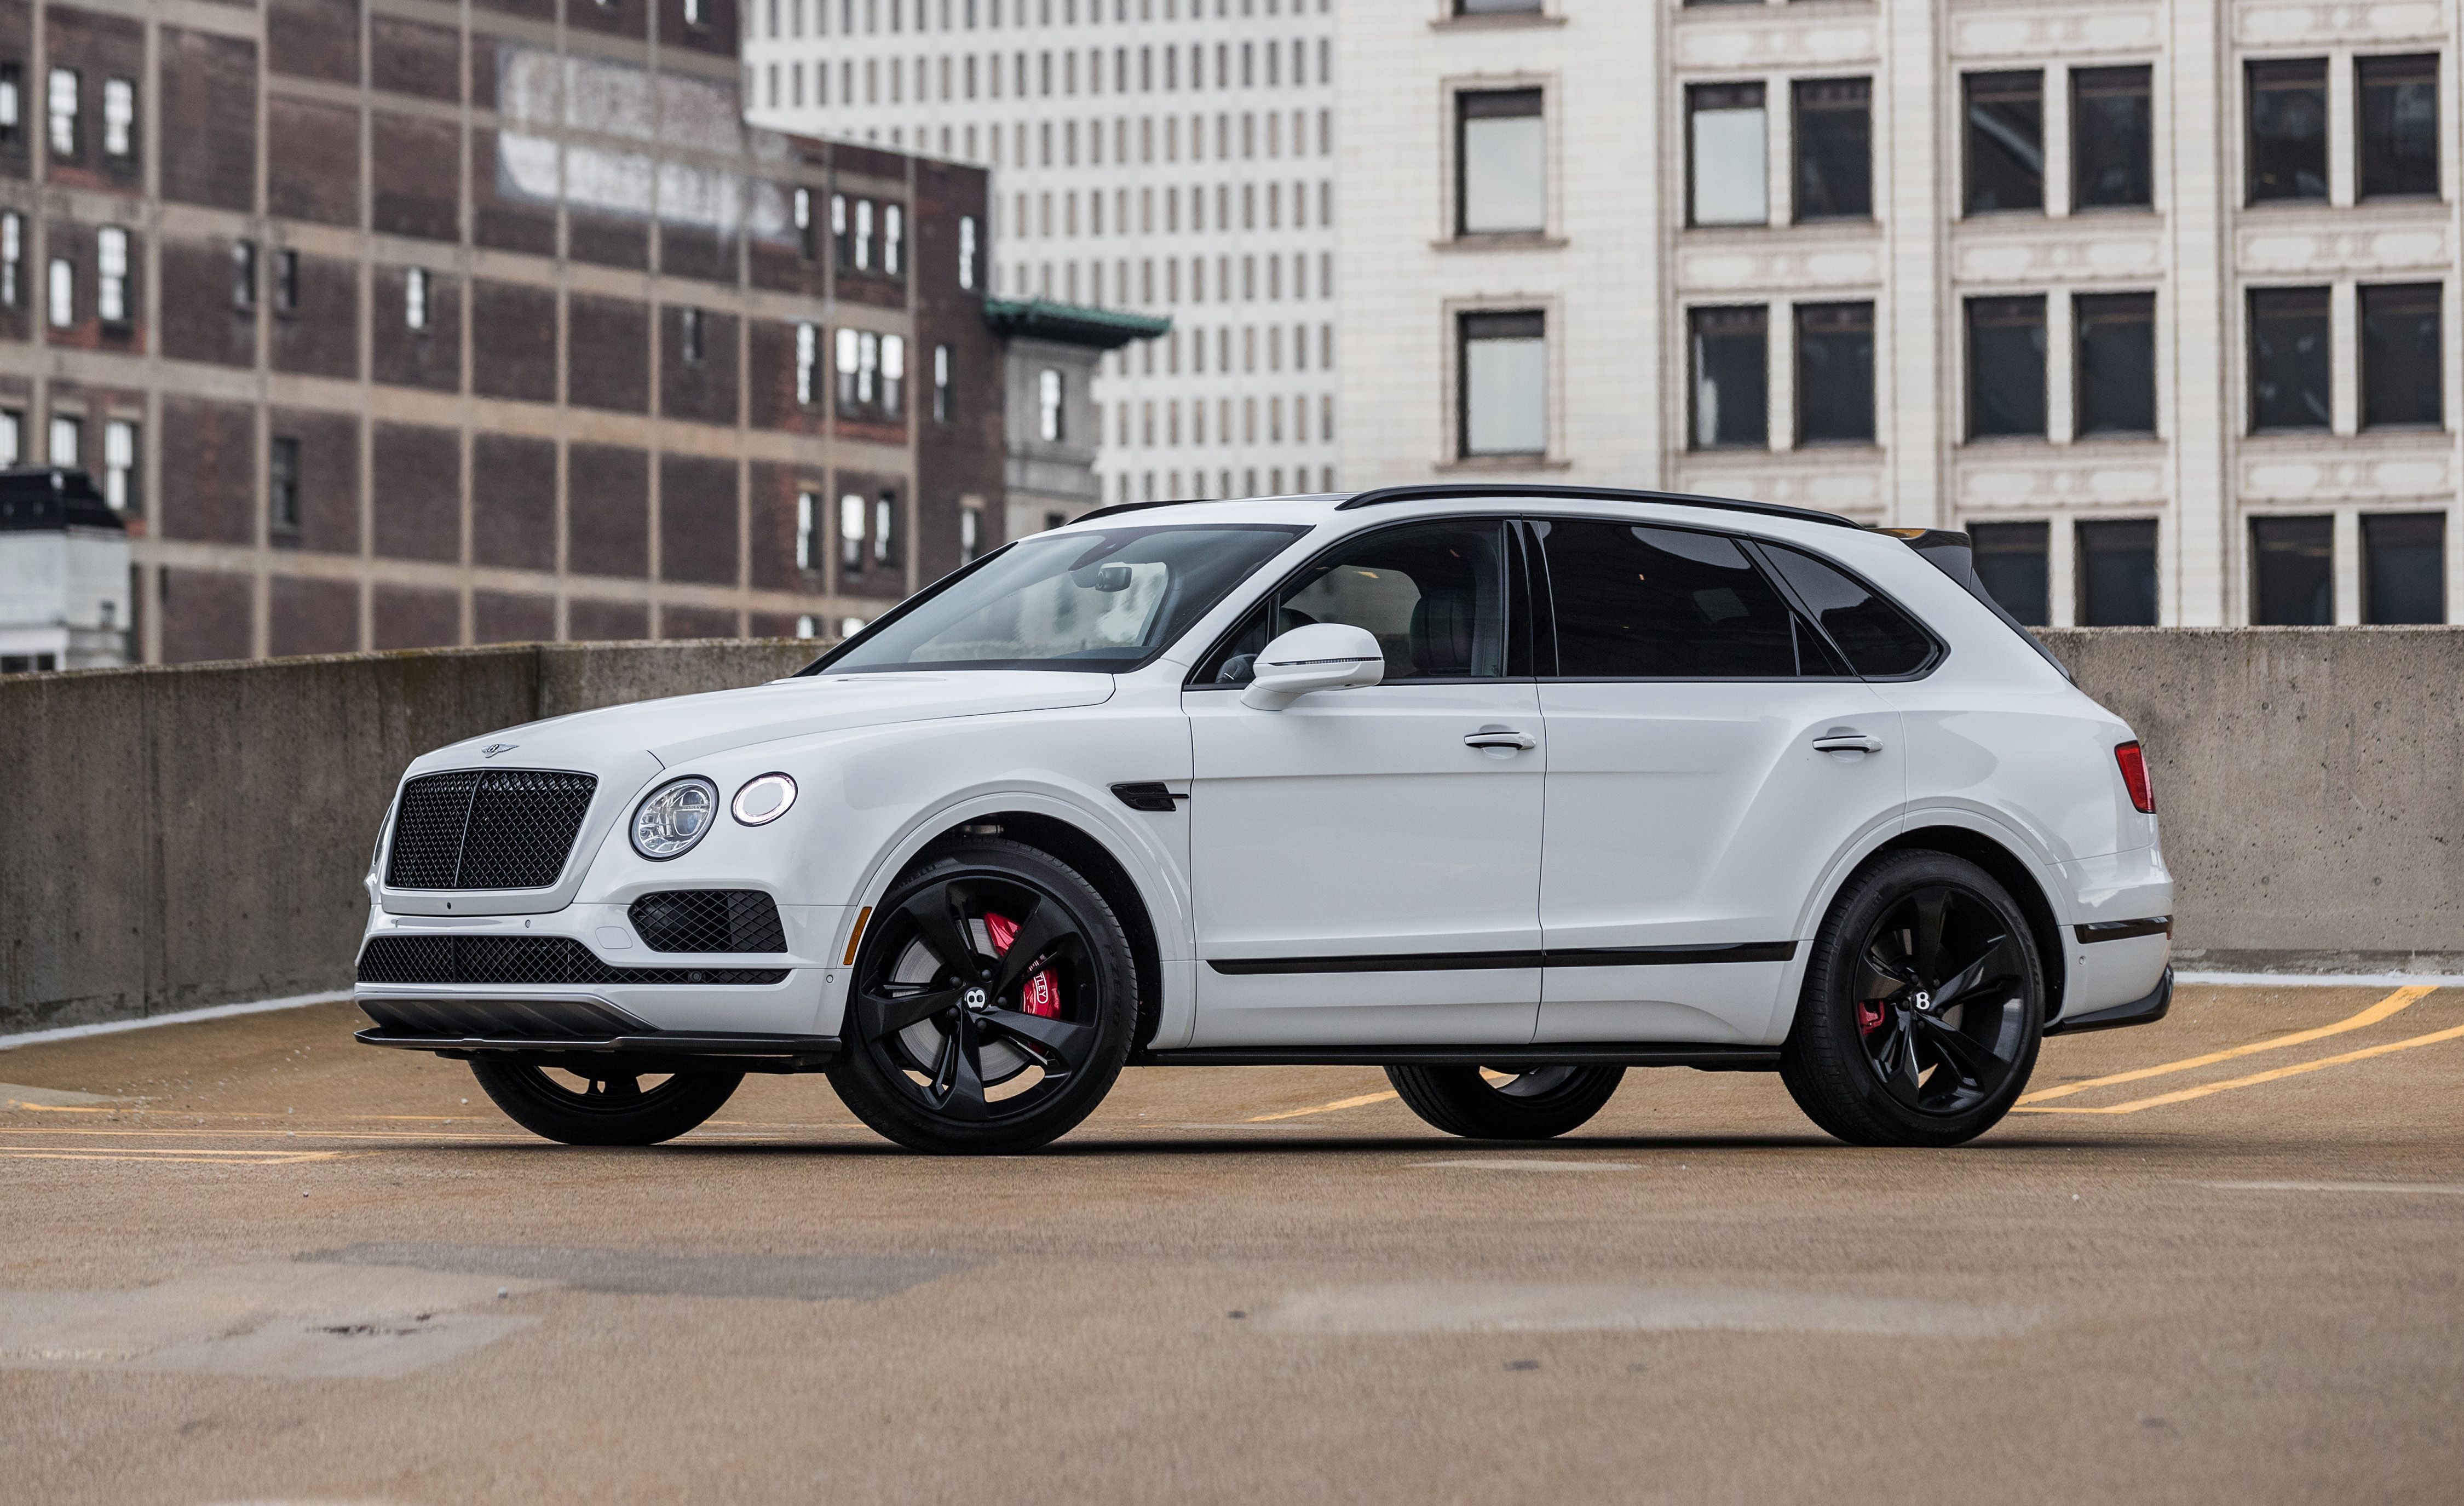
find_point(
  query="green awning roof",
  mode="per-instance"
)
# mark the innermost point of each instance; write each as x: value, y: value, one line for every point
x: 1072, y: 323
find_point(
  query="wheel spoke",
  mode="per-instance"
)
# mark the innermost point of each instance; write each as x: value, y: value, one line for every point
x: 2001, y: 960
x: 943, y: 930
x: 893, y: 1013
x: 616, y: 1087
x: 1048, y: 1038
x: 1044, y: 928
x: 1891, y: 973
x: 1933, y: 908
x: 1975, y: 1062
x: 1895, y: 1058
x: 964, y: 1097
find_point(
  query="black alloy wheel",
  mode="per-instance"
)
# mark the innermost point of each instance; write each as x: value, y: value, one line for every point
x: 1923, y: 1009
x: 1496, y: 1103
x: 994, y: 998
x: 593, y: 1099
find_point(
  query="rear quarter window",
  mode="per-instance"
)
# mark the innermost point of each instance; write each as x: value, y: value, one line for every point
x: 1880, y: 638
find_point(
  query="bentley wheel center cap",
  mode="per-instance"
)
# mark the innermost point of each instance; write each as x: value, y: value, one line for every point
x: 977, y: 998
x: 1925, y: 1003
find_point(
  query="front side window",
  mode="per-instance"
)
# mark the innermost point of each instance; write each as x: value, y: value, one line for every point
x: 2117, y: 574
x: 2006, y: 367
x: 2404, y: 567
x: 1644, y: 603
x: 2015, y: 566
x: 2293, y: 572
x: 1501, y: 152
x: 2288, y: 130
x: 2288, y: 358
x: 1504, y: 384
x: 1834, y: 373
x: 1434, y: 596
x: 1835, y: 148
x: 2398, y: 103
x: 2005, y: 142
x: 2403, y: 377
x: 1730, y: 350
x: 1726, y: 141
x: 2112, y: 139
x: 2116, y: 363
x: 1102, y: 600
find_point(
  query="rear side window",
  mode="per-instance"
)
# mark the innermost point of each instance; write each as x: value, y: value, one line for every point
x: 1879, y: 638
x: 1639, y: 603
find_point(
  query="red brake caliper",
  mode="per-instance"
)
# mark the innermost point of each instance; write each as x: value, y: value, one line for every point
x: 1042, y: 993
x: 1869, y: 1017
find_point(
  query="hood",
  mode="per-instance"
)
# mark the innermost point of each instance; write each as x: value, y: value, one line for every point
x: 682, y: 729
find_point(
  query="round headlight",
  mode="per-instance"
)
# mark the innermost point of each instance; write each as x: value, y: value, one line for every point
x: 764, y: 799
x: 672, y: 817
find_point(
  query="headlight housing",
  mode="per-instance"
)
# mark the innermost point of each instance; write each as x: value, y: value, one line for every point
x: 674, y: 816
x: 763, y: 799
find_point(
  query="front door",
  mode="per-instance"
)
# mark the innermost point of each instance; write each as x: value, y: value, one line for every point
x: 1710, y: 752
x: 1366, y: 863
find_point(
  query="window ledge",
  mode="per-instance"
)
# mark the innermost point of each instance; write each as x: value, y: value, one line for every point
x: 1501, y: 241
x: 1492, y: 464
x: 1504, y: 21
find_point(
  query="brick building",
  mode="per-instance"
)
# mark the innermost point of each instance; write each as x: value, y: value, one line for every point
x: 399, y: 323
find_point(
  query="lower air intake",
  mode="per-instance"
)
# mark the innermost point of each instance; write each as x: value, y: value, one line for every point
x: 524, y: 960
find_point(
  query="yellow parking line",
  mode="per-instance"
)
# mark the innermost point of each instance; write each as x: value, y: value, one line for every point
x: 2398, y: 1000
x: 2185, y: 1094
x: 1325, y: 1108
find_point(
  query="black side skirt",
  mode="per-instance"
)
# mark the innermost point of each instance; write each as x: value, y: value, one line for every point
x: 1503, y: 1058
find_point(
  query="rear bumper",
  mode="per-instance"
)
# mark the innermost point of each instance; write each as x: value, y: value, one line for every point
x: 2113, y: 1017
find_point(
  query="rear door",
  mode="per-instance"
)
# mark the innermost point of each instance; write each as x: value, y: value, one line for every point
x: 1709, y: 752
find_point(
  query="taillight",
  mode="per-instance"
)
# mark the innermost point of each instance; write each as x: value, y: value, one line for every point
x: 2134, y: 777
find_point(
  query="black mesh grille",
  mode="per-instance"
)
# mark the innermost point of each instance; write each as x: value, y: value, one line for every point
x: 524, y: 960
x: 492, y: 829
x: 709, y: 920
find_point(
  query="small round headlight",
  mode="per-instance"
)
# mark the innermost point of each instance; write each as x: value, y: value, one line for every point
x: 763, y: 799
x: 674, y: 816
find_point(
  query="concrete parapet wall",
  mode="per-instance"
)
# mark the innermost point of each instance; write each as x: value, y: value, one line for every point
x: 174, y: 838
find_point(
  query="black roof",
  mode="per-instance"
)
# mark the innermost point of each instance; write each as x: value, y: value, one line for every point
x: 38, y: 498
x: 1442, y: 491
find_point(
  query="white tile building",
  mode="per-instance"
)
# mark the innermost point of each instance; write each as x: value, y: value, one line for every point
x: 2167, y: 289
x: 1165, y: 156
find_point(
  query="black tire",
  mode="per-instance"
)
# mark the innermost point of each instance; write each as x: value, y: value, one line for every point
x: 1541, y: 1103
x: 943, y: 1028
x: 1923, y: 1007
x: 611, y: 1107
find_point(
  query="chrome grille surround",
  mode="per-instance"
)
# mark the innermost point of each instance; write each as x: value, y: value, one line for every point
x: 487, y: 829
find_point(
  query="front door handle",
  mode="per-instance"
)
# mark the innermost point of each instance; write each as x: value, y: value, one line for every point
x: 1847, y: 742
x: 1501, y: 738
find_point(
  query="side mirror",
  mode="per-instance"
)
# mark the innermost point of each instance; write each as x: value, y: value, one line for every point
x: 1324, y: 655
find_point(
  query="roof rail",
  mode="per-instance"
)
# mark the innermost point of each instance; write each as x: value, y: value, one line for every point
x: 1445, y: 490
x: 1139, y: 507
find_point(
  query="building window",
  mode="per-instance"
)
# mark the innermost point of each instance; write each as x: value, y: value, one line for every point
x: 840, y: 248
x: 893, y: 240
x: 2288, y: 358
x: 111, y: 275
x: 1730, y: 350
x: 861, y: 239
x: 2012, y: 564
x: 244, y: 274
x: 67, y: 442
x: 696, y: 16
x: 2117, y: 574
x: 808, y: 525
x: 2293, y: 572
x: 12, y: 436
x: 967, y: 251
x: 804, y: 223
x: 2288, y: 130
x: 13, y: 258
x: 940, y: 384
x: 2403, y: 379
x: 807, y: 356
x: 1726, y: 139
x: 1835, y: 148
x: 2006, y: 367
x: 688, y: 335
x: 2112, y: 139
x: 851, y: 534
x: 2116, y: 362
x: 286, y: 282
x: 806, y: 626
x: 1501, y: 160
x: 885, y: 529
x: 1834, y: 373
x: 1462, y: 7
x: 893, y: 375
x: 971, y: 533
x: 119, y: 118
x: 2398, y: 103
x: 1050, y: 389
x: 12, y: 93
x: 283, y: 484
x: 2403, y: 568
x: 856, y: 379
x: 2005, y: 142
x: 1503, y: 409
x: 119, y: 464
x: 62, y: 101
x: 414, y: 300
x: 63, y: 290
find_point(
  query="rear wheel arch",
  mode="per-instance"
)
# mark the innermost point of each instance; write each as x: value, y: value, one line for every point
x: 2016, y: 874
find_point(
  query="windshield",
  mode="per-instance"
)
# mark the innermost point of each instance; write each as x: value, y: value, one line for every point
x: 1105, y: 601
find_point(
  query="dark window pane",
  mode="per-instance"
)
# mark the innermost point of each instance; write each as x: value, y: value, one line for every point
x: 2006, y: 367
x: 2005, y: 141
x: 1661, y: 603
x: 1835, y: 149
x: 1834, y: 373
x: 2403, y: 379
x: 2403, y: 568
x: 2112, y: 149
x: 1877, y: 636
x: 1731, y: 350
x: 2288, y: 358
x: 2117, y: 574
x: 2012, y: 564
x: 1432, y: 594
x: 1495, y: 6
x: 2293, y: 571
x: 2288, y: 130
x: 2398, y: 100
x: 2117, y: 364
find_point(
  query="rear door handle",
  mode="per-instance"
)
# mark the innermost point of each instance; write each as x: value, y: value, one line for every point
x: 1847, y: 742
x: 1501, y: 738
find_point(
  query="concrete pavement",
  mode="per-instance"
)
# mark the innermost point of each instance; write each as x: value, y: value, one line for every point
x: 248, y: 1260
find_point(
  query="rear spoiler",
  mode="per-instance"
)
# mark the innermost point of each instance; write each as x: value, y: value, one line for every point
x: 1954, y: 554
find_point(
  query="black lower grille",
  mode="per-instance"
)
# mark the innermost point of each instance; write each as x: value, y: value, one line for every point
x: 709, y: 920
x: 487, y: 829
x: 524, y: 960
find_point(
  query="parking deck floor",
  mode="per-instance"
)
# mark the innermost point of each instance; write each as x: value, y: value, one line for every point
x: 2216, y: 1259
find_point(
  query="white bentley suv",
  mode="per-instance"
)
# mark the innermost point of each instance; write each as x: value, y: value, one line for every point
x: 1504, y: 789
